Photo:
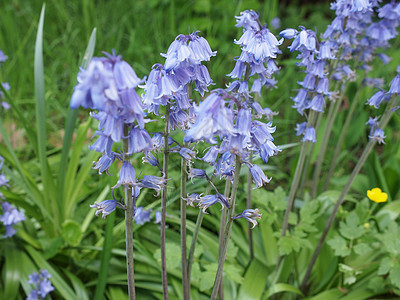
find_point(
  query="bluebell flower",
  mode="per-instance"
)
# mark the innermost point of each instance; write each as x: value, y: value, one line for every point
x: 142, y: 215
x: 208, y: 200
x: 395, y: 85
x: 260, y: 43
x: 276, y: 23
x: 187, y: 48
x: 309, y: 135
x: 378, y: 135
x: 376, y: 99
x: 42, y: 285
x: 258, y: 176
x: 139, y: 140
x: 288, y: 33
x: 192, y: 199
x: 211, y: 155
x: 150, y: 159
x: 10, y: 231
x: 103, y: 144
x: 3, y: 57
x: 157, y: 217
x: 104, y: 163
x: 152, y: 182
x: 250, y: 215
x: 3, y: 180
x: 106, y: 207
x: 248, y: 19
x: 317, y: 103
x: 11, y: 216
x: 127, y: 176
x: 92, y: 85
x: 196, y: 173
x: 213, y: 118
x: 301, y: 128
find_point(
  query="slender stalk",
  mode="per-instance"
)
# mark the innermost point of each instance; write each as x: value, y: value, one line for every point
x: 294, y: 186
x: 129, y: 225
x: 332, y: 113
x: 248, y: 206
x: 221, y: 234
x: 228, y: 228
x: 343, y: 132
x: 196, y: 231
x: 385, y: 119
x: 185, y: 282
x: 164, y: 207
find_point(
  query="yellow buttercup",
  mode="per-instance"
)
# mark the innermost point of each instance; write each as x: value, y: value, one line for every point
x: 377, y: 195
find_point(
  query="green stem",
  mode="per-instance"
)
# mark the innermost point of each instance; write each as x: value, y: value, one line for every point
x: 196, y: 231
x: 164, y: 207
x: 185, y: 282
x: 294, y: 186
x: 228, y: 228
x: 221, y: 233
x: 385, y: 119
x: 333, y: 109
x: 248, y: 206
x: 129, y: 225
x: 343, y: 132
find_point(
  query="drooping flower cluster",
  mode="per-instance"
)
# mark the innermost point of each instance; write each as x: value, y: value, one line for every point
x: 170, y: 83
x: 108, y: 86
x: 226, y: 118
x: 11, y: 216
x: 314, y: 56
x: 259, y: 49
x: 42, y: 285
x: 380, y: 97
x: 4, y: 85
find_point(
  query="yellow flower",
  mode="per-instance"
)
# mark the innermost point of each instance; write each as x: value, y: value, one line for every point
x: 377, y: 195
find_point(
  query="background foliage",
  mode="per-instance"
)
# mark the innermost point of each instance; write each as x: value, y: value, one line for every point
x: 86, y: 256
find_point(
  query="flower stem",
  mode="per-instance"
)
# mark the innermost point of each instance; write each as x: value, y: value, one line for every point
x: 248, y: 206
x: 164, y: 206
x: 185, y: 282
x: 221, y: 234
x: 228, y: 228
x: 129, y: 225
x: 385, y: 119
x: 196, y: 231
x: 294, y: 186
x: 333, y: 110
x: 343, y: 132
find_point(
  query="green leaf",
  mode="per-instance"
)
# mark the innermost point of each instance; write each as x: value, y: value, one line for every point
x: 332, y: 294
x: 282, y: 287
x: 254, y: 282
x: 71, y: 232
x: 395, y: 276
x: 173, y: 252
x: 208, y: 277
x: 385, y: 266
x: 339, y: 245
x: 362, y: 249
x: 48, y: 184
x: 233, y: 273
x: 350, y: 228
x: 288, y: 244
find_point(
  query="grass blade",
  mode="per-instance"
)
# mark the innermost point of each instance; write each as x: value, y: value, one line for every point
x: 48, y: 185
x: 70, y: 125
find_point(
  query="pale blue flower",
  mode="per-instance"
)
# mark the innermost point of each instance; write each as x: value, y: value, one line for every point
x: 250, y: 215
